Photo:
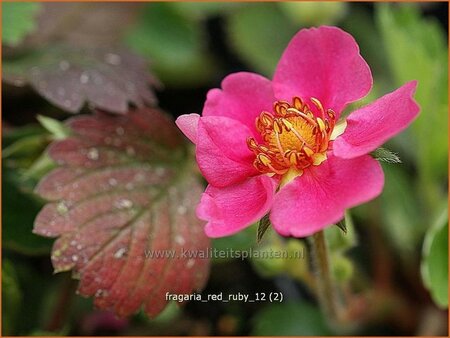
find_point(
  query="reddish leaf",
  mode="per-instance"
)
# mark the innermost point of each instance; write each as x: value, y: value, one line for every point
x: 68, y: 77
x: 125, y: 186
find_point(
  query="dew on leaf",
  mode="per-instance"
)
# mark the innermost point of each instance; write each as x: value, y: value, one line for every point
x: 62, y: 208
x: 123, y: 204
x: 120, y: 253
x: 182, y: 210
x: 190, y: 263
x: 130, y: 151
x: 112, y: 182
x: 180, y: 240
x: 93, y: 154
x: 113, y: 59
x: 64, y: 65
x: 74, y: 258
x: 120, y: 131
x: 84, y: 78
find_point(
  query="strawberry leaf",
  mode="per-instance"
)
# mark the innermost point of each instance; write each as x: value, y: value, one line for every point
x: 125, y: 193
x: 68, y: 77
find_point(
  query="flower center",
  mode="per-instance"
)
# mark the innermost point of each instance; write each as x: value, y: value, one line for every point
x: 293, y: 137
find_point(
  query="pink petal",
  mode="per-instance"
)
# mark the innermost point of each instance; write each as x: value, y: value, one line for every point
x: 372, y: 125
x: 320, y: 196
x: 188, y: 124
x: 231, y: 209
x: 243, y: 97
x: 222, y: 153
x: 323, y: 63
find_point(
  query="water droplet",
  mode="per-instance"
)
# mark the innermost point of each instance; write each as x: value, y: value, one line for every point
x: 73, y: 243
x: 62, y: 208
x: 190, y: 263
x: 19, y: 82
x: 84, y: 78
x: 123, y: 204
x: 74, y: 258
x: 97, y: 79
x: 67, y: 103
x: 139, y: 177
x: 120, y: 253
x: 112, y: 182
x: 101, y: 293
x: 93, y: 154
x: 79, y: 247
x: 120, y: 131
x: 182, y: 210
x: 61, y: 91
x: 113, y: 59
x: 64, y: 65
x: 129, y: 186
x: 160, y: 171
x: 179, y: 240
x: 130, y: 151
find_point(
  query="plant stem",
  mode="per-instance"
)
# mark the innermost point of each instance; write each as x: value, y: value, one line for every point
x: 325, y: 289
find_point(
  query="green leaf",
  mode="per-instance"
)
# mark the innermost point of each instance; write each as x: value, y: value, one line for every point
x: 11, y: 297
x: 401, y: 211
x: 339, y: 241
x: 172, y: 43
x: 263, y: 226
x: 434, y: 266
x: 243, y: 240
x: 290, y: 319
x: 314, y: 13
x: 18, y: 19
x: 259, y: 32
x: 341, y: 225
x: 17, y: 222
x: 385, y: 155
x: 202, y: 10
x: 54, y: 127
x: 416, y: 50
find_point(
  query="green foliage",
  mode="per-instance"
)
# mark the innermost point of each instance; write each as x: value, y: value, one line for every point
x: 290, y: 319
x: 173, y: 43
x: 259, y: 33
x: 203, y: 10
x: 56, y: 128
x: 416, y: 49
x: 11, y: 297
x: 339, y: 242
x: 314, y: 13
x: 435, y: 260
x: 243, y: 240
x: 401, y: 213
x: 18, y: 20
x: 17, y: 222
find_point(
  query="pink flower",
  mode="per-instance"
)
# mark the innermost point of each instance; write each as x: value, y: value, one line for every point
x: 278, y: 146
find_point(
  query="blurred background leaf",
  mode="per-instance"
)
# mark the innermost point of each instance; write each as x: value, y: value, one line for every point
x: 314, y: 13
x: 416, y: 49
x: 18, y: 20
x: 290, y: 319
x: 11, y: 295
x: 174, y: 43
x: 259, y: 34
x: 435, y: 260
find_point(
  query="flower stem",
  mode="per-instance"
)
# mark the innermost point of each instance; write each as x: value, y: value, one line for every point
x: 325, y: 289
